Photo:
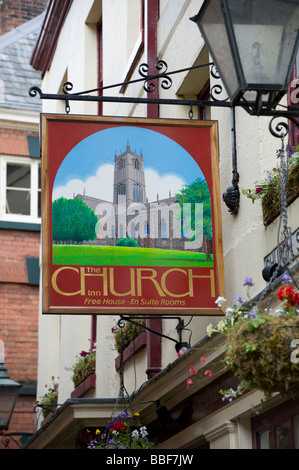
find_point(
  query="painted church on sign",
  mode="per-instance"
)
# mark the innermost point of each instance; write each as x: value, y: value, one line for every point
x: 155, y: 224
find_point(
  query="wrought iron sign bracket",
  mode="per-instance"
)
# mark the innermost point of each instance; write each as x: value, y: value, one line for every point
x: 180, y: 327
x: 257, y: 108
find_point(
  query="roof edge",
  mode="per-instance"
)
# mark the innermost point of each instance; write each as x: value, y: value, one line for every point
x: 20, y: 31
x: 55, y: 15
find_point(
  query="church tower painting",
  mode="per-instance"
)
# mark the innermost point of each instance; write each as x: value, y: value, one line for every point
x: 129, y: 181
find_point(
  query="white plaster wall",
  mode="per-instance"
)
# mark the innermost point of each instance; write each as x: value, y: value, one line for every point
x: 245, y: 240
x: 62, y: 338
x: 75, y: 60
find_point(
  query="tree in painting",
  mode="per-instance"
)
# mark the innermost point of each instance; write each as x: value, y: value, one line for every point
x: 198, y: 192
x: 72, y: 220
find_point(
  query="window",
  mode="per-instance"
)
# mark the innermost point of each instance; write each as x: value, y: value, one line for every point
x: 277, y: 428
x: 163, y: 229
x: 137, y: 193
x: 121, y: 193
x: 121, y: 164
x: 20, y: 189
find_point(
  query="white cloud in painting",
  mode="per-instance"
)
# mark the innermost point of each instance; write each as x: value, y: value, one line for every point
x: 161, y: 185
x: 100, y: 186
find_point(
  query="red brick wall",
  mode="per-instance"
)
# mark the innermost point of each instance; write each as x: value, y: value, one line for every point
x: 13, y: 13
x: 19, y: 301
x: 19, y: 304
x: 18, y: 330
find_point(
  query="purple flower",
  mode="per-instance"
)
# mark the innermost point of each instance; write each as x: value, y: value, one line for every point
x: 286, y: 279
x: 253, y: 313
x: 239, y: 298
x: 248, y: 281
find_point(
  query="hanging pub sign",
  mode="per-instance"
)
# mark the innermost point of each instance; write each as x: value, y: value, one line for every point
x: 131, y: 219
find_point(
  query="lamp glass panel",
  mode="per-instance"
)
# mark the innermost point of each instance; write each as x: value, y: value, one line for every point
x: 214, y: 31
x: 266, y: 34
x: 7, y: 399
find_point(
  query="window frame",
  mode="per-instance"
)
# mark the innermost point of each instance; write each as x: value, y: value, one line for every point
x: 271, y: 419
x: 34, y: 189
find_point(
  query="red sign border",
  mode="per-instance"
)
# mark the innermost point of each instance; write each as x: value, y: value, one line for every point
x: 212, y: 126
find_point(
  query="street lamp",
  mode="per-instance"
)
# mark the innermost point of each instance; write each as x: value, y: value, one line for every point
x: 9, y: 392
x: 253, y: 44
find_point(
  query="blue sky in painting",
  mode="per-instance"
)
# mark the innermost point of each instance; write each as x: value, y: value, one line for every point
x: 89, y: 165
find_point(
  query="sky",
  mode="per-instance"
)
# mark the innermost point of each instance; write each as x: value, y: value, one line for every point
x: 89, y: 165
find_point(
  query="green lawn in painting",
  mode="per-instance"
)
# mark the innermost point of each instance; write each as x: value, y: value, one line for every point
x: 91, y: 255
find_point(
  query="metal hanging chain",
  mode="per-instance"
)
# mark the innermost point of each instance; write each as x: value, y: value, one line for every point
x: 285, y: 250
x: 191, y: 112
x: 284, y: 233
x: 123, y: 395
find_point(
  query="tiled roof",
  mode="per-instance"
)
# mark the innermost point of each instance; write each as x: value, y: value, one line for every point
x: 16, y: 73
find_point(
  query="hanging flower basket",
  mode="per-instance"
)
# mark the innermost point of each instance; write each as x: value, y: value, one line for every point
x: 122, y: 432
x: 260, y: 353
x: 260, y: 346
x: 268, y: 191
x: 271, y: 202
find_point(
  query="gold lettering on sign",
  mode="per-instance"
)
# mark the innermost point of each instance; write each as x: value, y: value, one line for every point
x: 151, y: 277
x: 163, y: 282
x: 54, y: 280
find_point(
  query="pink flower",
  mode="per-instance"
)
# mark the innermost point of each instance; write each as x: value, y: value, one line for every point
x: 202, y: 359
x: 192, y: 370
x: 180, y: 353
x: 189, y: 382
x: 208, y: 372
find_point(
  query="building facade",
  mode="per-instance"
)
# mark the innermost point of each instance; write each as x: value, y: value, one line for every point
x: 78, y: 44
x: 20, y: 24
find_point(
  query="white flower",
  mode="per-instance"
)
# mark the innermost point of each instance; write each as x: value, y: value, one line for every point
x: 279, y: 313
x: 229, y: 311
x: 221, y: 325
x: 220, y: 301
x: 210, y: 329
x: 143, y: 431
x: 135, y: 434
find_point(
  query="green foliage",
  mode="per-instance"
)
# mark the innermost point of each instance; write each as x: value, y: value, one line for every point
x: 122, y: 433
x: 259, y: 343
x: 73, y: 220
x: 49, y: 400
x: 261, y: 356
x: 127, y: 242
x: 268, y: 190
x: 84, y: 366
x: 125, y: 335
x: 198, y: 192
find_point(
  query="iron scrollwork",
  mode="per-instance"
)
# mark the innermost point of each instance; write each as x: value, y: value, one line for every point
x: 148, y: 85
